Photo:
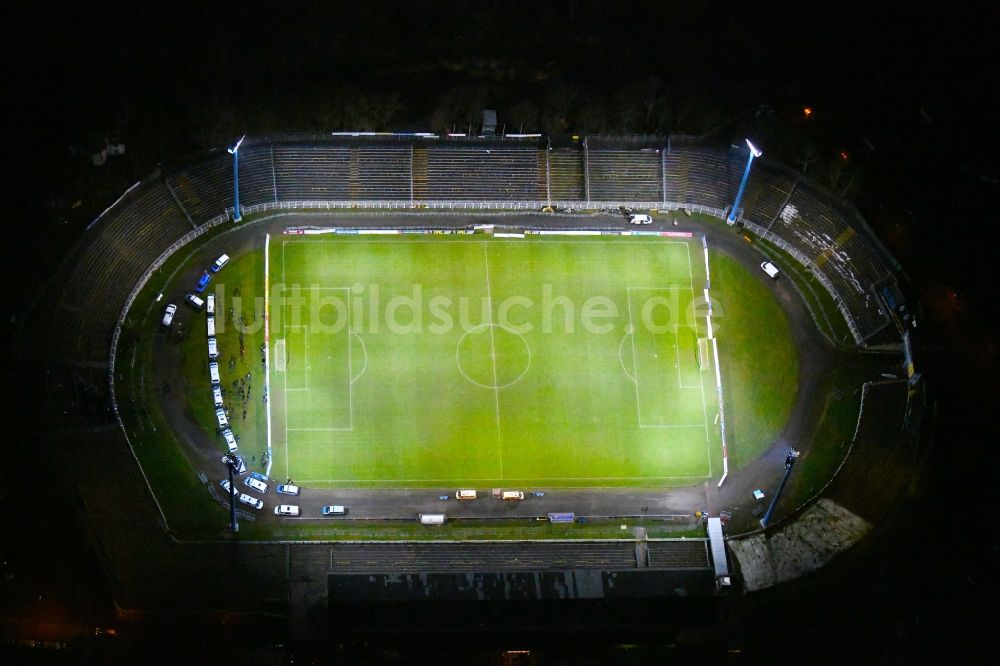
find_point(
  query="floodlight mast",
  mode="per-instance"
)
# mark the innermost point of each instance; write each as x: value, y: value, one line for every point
x: 235, y: 152
x: 790, y: 458
x: 754, y: 152
x: 234, y: 526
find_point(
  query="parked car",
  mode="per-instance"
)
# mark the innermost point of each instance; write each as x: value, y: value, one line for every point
x: 287, y: 489
x: 168, y: 315
x: 465, y: 495
x: 255, y: 484
x: 203, y: 281
x: 286, y: 510
x: 225, y: 485
x: 640, y: 219
x: 194, y: 301
x: 512, y: 495
x: 335, y: 510
x: 770, y: 269
x: 220, y: 262
x: 210, y: 304
x: 230, y: 438
x: 251, y: 501
x: 259, y: 476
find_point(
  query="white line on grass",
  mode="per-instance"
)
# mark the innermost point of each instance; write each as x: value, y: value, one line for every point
x: 493, y: 356
x: 704, y: 408
x: 320, y: 429
x: 635, y: 368
x: 284, y: 394
x: 466, y: 479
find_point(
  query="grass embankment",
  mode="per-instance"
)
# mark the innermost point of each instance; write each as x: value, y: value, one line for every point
x: 760, y: 363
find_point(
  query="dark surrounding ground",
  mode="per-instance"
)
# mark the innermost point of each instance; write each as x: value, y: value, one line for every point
x: 919, y: 82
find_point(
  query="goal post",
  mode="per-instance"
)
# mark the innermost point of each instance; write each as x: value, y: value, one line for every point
x: 703, y: 358
x: 279, y: 355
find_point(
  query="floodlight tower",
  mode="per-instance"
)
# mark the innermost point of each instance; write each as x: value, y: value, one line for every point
x: 234, y: 150
x: 754, y: 152
x: 231, y: 463
x: 789, y: 463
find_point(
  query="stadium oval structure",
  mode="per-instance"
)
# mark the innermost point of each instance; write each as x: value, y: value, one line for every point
x: 142, y: 236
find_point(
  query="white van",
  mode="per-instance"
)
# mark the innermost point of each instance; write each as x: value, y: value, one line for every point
x: 213, y: 348
x: 512, y: 495
x: 230, y: 438
x: 217, y: 396
x: 251, y: 501
x: 432, y: 519
x: 213, y: 372
x: 640, y: 219
x: 770, y: 269
x: 465, y: 495
x: 195, y: 301
x: 220, y: 262
x: 168, y: 315
x: 211, y: 325
x: 210, y: 304
x: 286, y: 510
x: 220, y: 416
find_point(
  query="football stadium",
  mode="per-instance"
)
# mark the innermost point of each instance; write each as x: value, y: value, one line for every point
x: 385, y: 366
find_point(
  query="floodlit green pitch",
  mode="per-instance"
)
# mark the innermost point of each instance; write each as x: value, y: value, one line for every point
x: 467, y: 360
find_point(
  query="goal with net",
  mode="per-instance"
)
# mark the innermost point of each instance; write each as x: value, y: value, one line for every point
x: 703, y: 361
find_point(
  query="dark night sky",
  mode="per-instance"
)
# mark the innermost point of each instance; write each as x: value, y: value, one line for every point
x: 918, y: 80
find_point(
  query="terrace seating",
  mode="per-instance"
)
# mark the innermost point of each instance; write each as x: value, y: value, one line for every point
x: 768, y: 188
x: 702, y: 176
x: 679, y: 554
x: 824, y: 233
x: 481, y: 556
x: 137, y: 232
x: 205, y: 189
x: 380, y: 172
x: 625, y: 175
x: 488, y: 173
x: 312, y: 172
x: 566, y: 174
x: 256, y: 177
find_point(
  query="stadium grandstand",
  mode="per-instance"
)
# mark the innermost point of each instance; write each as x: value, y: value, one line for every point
x: 119, y: 253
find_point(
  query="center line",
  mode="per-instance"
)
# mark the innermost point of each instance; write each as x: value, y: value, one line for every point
x: 493, y: 354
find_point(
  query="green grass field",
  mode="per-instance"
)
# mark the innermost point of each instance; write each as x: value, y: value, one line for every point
x: 467, y: 360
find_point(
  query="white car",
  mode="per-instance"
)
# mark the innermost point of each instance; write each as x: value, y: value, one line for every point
x: 220, y: 262
x: 225, y: 486
x: 287, y: 489
x: 213, y: 348
x: 210, y: 304
x: 217, y: 396
x: 251, y: 501
x: 640, y: 219
x: 286, y: 510
x: 194, y: 301
x: 168, y: 315
x: 465, y: 495
x: 230, y: 438
x: 255, y: 484
x: 770, y: 269
x: 335, y: 510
